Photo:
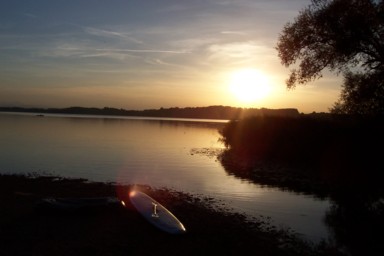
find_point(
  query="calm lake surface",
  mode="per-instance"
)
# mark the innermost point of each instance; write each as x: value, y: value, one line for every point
x: 158, y: 152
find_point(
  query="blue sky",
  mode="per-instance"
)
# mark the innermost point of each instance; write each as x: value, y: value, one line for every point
x: 147, y: 54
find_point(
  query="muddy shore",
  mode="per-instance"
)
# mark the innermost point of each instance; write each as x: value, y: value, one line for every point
x: 26, y: 229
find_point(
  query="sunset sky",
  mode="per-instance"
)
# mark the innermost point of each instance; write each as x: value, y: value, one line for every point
x: 141, y: 54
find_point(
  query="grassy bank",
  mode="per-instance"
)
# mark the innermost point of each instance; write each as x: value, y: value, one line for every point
x: 26, y: 230
x: 333, y: 154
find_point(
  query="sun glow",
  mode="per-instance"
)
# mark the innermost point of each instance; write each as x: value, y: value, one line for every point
x: 249, y: 85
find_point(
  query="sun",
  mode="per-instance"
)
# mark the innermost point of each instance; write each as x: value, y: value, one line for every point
x: 249, y: 85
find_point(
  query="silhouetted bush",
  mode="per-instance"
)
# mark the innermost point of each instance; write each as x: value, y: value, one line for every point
x: 336, y: 148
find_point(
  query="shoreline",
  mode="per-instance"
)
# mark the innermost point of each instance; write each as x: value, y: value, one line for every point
x: 355, y: 218
x: 124, y: 232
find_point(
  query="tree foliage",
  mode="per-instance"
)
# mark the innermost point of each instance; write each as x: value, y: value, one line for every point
x: 361, y: 94
x: 339, y: 35
x: 334, y: 34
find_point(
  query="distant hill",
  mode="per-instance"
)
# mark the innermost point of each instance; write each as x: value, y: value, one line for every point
x: 211, y: 112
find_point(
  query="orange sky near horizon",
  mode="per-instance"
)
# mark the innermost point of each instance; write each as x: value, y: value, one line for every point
x: 151, y: 54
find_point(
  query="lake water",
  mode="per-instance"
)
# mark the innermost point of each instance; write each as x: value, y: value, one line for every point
x: 157, y: 152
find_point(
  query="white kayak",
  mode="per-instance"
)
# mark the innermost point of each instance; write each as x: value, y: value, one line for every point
x: 155, y: 213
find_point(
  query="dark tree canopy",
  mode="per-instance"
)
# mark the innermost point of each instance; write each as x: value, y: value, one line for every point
x: 361, y: 94
x: 333, y: 34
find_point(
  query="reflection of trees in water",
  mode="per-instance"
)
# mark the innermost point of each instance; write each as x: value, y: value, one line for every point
x: 356, y: 218
x: 357, y: 225
x: 271, y: 174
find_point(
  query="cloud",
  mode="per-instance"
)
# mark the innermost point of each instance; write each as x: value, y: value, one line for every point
x: 143, y: 51
x: 236, y: 50
x: 107, y: 33
x: 85, y: 52
x: 240, y: 33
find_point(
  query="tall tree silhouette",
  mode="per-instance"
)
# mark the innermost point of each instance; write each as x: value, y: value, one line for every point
x: 344, y: 36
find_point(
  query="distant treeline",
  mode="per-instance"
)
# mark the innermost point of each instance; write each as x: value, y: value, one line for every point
x: 211, y: 112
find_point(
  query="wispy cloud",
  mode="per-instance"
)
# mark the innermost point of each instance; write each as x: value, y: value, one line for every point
x: 236, y: 50
x: 228, y: 32
x: 143, y: 51
x: 109, y: 33
x: 101, y: 51
x: 248, y: 53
